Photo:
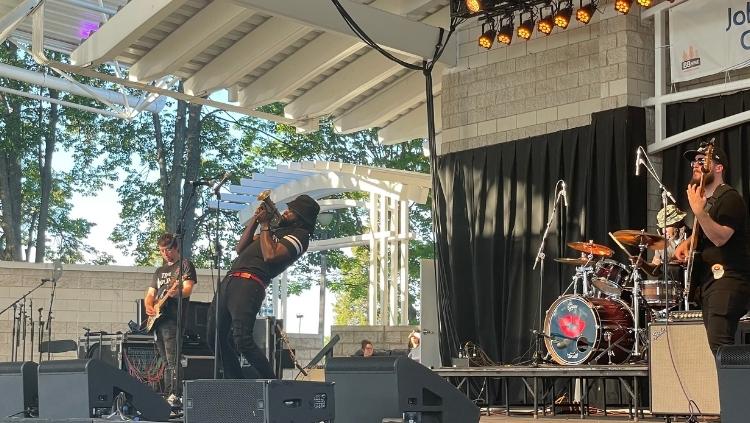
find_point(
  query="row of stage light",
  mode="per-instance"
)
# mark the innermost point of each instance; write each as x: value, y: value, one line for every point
x: 501, y: 27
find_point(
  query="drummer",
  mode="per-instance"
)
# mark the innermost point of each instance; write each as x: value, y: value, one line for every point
x: 671, y: 223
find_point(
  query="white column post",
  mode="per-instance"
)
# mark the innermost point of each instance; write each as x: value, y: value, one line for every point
x: 383, y: 259
x: 284, y: 278
x: 372, y: 292
x: 393, y: 251
x: 404, y: 260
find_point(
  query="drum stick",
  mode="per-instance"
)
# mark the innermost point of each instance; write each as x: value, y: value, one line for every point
x: 620, y: 245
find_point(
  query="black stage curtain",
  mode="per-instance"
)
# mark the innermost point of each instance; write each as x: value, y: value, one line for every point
x: 493, y: 205
x: 734, y: 141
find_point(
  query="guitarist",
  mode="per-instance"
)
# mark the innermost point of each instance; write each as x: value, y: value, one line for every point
x: 164, y: 285
x: 720, y: 282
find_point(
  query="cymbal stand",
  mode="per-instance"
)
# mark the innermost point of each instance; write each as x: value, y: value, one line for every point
x: 637, y: 299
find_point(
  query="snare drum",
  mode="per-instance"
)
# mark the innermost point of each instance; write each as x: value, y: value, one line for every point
x: 656, y: 292
x: 610, y: 277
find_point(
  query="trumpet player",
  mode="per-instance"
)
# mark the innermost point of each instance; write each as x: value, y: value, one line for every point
x: 260, y: 258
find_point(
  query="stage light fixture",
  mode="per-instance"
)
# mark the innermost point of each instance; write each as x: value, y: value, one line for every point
x: 505, y: 33
x: 547, y: 23
x: 645, y: 3
x: 488, y: 35
x: 527, y: 27
x: 623, y: 6
x: 585, y: 13
x: 474, y: 6
x: 562, y: 17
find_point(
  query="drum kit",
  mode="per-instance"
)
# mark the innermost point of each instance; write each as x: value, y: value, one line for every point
x: 604, y: 319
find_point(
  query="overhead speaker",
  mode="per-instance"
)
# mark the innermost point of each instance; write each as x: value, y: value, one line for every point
x: 733, y: 366
x: 371, y: 389
x: 19, y: 396
x: 88, y: 388
x: 682, y: 369
x: 258, y: 401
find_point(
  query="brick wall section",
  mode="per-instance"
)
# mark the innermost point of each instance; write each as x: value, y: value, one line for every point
x: 546, y: 84
x: 382, y: 338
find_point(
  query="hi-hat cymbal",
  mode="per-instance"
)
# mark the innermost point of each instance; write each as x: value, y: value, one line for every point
x: 591, y: 248
x: 578, y: 261
x: 636, y: 238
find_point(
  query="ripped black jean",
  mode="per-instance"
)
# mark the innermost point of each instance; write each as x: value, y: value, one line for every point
x: 239, y: 303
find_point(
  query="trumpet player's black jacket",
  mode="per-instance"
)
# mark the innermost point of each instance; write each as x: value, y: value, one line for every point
x: 294, y: 238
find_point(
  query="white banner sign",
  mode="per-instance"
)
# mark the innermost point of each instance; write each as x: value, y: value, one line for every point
x: 708, y: 37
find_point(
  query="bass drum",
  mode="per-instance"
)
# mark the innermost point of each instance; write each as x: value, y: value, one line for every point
x: 589, y: 330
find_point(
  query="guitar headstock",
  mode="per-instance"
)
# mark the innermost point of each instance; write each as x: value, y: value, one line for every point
x: 708, y: 159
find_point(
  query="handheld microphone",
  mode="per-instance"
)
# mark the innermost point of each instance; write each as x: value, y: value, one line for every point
x: 638, y: 160
x: 564, y: 195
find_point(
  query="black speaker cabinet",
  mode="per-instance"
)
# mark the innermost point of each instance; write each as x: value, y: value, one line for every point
x: 733, y: 368
x: 87, y: 388
x: 680, y: 358
x: 18, y: 389
x: 257, y: 401
x: 369, y: 390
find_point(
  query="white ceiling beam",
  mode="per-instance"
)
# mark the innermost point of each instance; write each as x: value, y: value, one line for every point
x: 254, y: 49
x: 123, y: 29
x: 441, y: 18
x: 194, y: 36
x: 395, y: 32
x: 13, y: 18
x: 299, y: 68
x: 350, y: 81
x: 385, y: 105
x: 411, y: 125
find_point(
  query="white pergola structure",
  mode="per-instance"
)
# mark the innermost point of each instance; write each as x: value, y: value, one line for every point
x: 390, y: 191
x: 298, y: 52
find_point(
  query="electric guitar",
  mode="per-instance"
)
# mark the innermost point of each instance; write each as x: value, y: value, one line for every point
x: 706, y: 168
x: 161, y: 299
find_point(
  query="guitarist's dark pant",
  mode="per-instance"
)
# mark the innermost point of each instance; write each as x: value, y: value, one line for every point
x: 240, y: 300
x: 724, y: 301
x: 166, y: 343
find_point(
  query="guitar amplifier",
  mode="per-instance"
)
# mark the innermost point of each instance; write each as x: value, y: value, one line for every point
x: 135, y: 354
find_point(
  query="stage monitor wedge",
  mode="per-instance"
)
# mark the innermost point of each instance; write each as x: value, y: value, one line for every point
x: 87, y: 388
x: 371, y: 389
x: 18, y: 389
x: 733, y: 367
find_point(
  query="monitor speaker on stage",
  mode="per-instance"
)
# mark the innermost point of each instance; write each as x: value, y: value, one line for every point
x: 371, y: 389
x: 18, y: 389
x: 84, y: 389
x: 258, y: 401
x: 733, y: 368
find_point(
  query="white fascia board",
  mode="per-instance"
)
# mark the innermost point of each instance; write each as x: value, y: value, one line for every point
x: 355, y: 78
x: 389, y: 30
x: 385, y: 105
x: 123, y: 29
x: 194, y: 36
x: 411, y: 125
x: 300, y: 67
x: 245, y: 55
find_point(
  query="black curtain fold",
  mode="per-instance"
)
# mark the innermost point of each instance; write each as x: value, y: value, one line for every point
x: 492, y: 207
x: 734, y: 140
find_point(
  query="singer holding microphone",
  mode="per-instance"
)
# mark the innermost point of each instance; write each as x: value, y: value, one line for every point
x: 241, y: 293
x: 720, y: 282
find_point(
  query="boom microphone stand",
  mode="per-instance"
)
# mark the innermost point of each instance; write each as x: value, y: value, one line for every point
x: 537, y: 359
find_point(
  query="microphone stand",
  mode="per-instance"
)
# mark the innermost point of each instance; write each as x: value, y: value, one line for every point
x: 540, y: 260
x: 49, y: 319
x: 14, y: 306
x: 41, y: 333
x: 217, y: 283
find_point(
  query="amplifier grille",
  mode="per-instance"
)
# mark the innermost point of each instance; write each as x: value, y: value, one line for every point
x: 224, y: 401
x: 735, y: 356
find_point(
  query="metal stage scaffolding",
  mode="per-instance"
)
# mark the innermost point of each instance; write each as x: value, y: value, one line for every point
x: 627, y: 374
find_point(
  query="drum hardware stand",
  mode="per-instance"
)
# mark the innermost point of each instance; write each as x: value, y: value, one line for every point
x: 538, y: 358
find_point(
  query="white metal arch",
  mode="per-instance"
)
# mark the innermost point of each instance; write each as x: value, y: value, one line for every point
x: 390, y: 193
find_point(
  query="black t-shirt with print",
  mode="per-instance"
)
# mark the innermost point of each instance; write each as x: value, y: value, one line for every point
x: 295, y: 239
x: 726, y: 208
x: 163, y: 278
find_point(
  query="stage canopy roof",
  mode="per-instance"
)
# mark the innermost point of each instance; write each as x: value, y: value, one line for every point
x: 298, y: 52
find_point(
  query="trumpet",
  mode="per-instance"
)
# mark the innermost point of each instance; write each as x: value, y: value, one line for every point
x: 268, y: 204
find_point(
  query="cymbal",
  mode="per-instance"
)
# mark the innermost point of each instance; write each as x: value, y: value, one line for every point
x: 578, y: 261
x: 636, y: 237
x: 591, y: 248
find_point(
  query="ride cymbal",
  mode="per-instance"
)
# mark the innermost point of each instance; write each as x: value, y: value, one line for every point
x: 591, y: 248
x: 578, y: 261
x: 635, y: 238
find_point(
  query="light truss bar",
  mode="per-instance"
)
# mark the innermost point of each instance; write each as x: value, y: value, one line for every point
x: 60, y: 102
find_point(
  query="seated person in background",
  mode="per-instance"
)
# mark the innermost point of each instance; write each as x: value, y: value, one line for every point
x: 367, y: 349
x: 415, y: 346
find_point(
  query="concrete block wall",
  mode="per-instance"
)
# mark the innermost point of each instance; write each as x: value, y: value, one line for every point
x: 547, y: 84
x: 96, y: 297
x: 382, y: 338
